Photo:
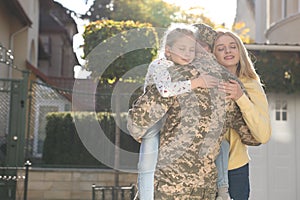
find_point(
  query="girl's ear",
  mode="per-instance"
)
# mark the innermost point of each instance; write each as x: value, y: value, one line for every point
x: 167, y: 51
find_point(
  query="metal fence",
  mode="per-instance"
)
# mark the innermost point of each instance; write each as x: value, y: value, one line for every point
x: 10, y: 177
x: 113, y: 192
x: 12, y: 111
x: 4, y: 117
x: 43, y: 100
x: 23, y: 135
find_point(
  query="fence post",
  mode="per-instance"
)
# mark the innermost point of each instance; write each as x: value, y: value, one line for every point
x: 132, y: 191
x: 27, y: 165
x: 93, y: 191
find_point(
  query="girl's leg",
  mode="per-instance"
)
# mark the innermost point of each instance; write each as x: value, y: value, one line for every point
x: 222, y: 164
x: 239, y: 184
x: 146, y: 166
x: 222, y: 167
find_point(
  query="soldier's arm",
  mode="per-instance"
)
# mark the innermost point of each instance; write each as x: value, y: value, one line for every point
x: 234, y: 117
x: 147, y: 110
x: 235, y: 120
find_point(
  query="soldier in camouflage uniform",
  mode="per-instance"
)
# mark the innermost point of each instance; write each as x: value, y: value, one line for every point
x: 190, y: 138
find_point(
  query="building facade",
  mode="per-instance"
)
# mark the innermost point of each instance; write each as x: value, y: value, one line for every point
x: 36, y: 51
x: 275, y: 27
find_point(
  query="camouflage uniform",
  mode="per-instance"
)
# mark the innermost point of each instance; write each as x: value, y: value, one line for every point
x: 190, y: 138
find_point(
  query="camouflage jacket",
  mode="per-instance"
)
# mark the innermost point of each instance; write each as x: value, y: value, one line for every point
x: 190, y: 138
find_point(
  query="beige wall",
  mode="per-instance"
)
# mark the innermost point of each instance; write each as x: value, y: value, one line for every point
x: 19, y: 46
x: 4, y: 38
x: 279, y: 11
x: 33, y: 35
x: 286, y: 31
x: 14, y: 36
x: 275, y: 11
x: 271, y: 21
x: 63, y: 184
x: 31, y: 8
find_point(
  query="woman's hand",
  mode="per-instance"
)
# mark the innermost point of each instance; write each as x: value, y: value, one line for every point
x: 232, y: 89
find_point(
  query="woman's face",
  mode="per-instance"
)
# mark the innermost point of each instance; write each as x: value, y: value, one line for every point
x: 182, y: 52
x: 226, y: 51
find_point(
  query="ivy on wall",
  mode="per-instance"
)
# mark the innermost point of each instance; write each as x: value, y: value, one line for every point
x: 279, y: 70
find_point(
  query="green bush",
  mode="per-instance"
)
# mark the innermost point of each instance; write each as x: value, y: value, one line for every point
x: 63, y: 146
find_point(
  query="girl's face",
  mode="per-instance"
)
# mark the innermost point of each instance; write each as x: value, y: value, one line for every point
x: 226, y: 51
x: 182, y: 52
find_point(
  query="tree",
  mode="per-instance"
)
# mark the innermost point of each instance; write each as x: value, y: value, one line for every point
x: 156, y: 12
x: 112, y: 48
x: 100, y: 9
x: 242, y: 31
x: 193, y: 15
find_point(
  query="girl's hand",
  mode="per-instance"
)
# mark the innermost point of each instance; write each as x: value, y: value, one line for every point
x: 232, y: 89
x: 205, y: 81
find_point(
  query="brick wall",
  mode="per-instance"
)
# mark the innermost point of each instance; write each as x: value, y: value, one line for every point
x: 69, y: 184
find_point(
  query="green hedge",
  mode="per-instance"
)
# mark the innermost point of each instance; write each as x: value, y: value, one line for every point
x: 63, y: 147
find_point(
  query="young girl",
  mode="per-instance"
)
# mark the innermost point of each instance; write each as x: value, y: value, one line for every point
x: 178, y: 48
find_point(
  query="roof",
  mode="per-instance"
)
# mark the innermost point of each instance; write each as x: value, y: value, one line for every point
x: 49, y: 23
x: 45, y: 78
x: 273, y: 47
x: 16, y: 9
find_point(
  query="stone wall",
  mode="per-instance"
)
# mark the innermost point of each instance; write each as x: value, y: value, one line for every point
x: 69, y: 184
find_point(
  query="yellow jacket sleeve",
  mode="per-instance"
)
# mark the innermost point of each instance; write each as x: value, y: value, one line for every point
x: 256, y: 115
x: 256, y: 110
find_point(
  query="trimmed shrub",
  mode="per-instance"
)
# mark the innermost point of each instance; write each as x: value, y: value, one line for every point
x: 63, y: 146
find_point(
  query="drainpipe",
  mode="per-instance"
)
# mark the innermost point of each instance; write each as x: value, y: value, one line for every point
x: 11, y: 46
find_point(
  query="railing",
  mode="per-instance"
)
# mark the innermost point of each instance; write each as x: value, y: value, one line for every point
x: 113, y: 192
x: 9, y: 178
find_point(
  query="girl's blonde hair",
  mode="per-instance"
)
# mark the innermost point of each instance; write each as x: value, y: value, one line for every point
x: 245, y: 66
x: 173, y: 33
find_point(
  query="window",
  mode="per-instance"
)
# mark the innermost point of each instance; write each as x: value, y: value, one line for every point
x: 45, y: 100
x: 46, y: 41
x: 284, y: 8
x: 281, y: 111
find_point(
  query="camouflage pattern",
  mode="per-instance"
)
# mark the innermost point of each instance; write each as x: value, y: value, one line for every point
x: 215, y: 68
x: 206, y: 33
x: 190, y: 138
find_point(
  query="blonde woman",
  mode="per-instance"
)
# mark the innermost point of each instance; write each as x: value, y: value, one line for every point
x: 231, y: 53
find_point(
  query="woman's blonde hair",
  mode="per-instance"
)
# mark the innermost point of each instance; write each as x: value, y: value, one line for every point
x: 245, y: 66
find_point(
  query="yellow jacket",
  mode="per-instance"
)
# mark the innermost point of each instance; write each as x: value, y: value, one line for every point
x: 256, y: 115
